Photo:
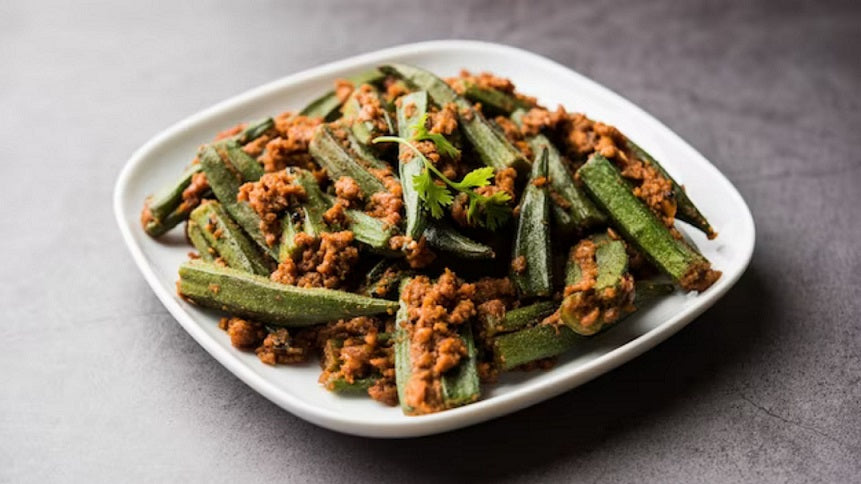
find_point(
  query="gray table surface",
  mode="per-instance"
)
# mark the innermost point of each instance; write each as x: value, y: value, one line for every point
x: 98, y: 383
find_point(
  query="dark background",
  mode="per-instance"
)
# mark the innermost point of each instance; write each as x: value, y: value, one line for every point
x: 97, y: 382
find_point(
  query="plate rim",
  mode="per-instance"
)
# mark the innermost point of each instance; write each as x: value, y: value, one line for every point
x: 454, y: 418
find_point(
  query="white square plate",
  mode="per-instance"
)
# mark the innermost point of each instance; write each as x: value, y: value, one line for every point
x: 295, y: 388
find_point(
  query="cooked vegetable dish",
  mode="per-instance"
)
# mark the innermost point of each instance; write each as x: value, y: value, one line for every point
x: 422, y: 235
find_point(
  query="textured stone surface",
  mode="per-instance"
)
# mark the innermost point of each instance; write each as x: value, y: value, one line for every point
x: 98, y: 383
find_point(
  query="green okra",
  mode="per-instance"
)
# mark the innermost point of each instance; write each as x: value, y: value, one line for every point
x: 519, y: 318
x: 542, y: 341
x: 338, y: 162
x: 228, y: 240
x: 167, y: 207
x: 411, y: 110
x: 608, y: 292
x: 651, y: 289
x: 365, y: 131
x: 364, y: 155
x: 459, y: 385
x: 169, y: 197
x: 328, y: 105
x: 490, y: 144
x: 250, y: 169
x: 255, y: 130
x: 250, y: 295
x: 368, y: 230
x: 494, y: 100
x: 532, y: 252
x: 686, y: 210
x: 371, y: 231
x: 443, y: 237
x: 315, y: 204
x: 572, y: 209
x: 291, y: 225
x: 384, y: 278
x: 225, y: 180
x: 307, y: 219
x: 547, y: 340
x: 358, y: 386
x: 377, y: 271
x: 403, y: 365
x: 642, y: 228
x: 157, y: 228
x: 164, y: 206
x: 611, y: 259
x: 195, y: 236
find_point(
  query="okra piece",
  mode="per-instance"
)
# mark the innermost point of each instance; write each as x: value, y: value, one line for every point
x: 545, y: 340
x: 367, y: 230
x: 291, y: 225
x: 309, y: 219
x: 490, y: 144
x: 157, y: 228
x: 315, y: 204
x: 250, y: 169
x: 255, y: 130
x: 365, y: 156
x: 338, y: 162
x: 225, y: 180
x: 327, y: 106
x: 642, y: 228
x: 228, y: 240
x: 195, y: 236
x: 377, y: 271
x: 651, y: 289
x: 250, y: 295
x: 460, y: 385
x: 371, y: 231
x: 572, y: 209
x: 403, y: 365
x: 383, y: 279
x: 530, y: 344
x: 519, y: 318
x: 364, y: 131
x: 686, y: 210
x: 412, y: 109
x: 611, y: 259
x: 445, y: 238
x: 611, y: 294
x: 359, y: 386
x: 494, y: 100
x: 531, y: 258
x: 164, y: 205
x: 169, y: 197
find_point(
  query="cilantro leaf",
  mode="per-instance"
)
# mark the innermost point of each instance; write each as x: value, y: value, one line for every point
x: 496, y: 210
x: 487, y: 211
x: 491, y: 211
x: 436, y: 196
x: 421, y: 133
x: 479, y: 177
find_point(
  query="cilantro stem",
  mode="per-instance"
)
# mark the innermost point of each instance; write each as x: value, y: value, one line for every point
x: 475, y: 199
x: 430, y: 166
